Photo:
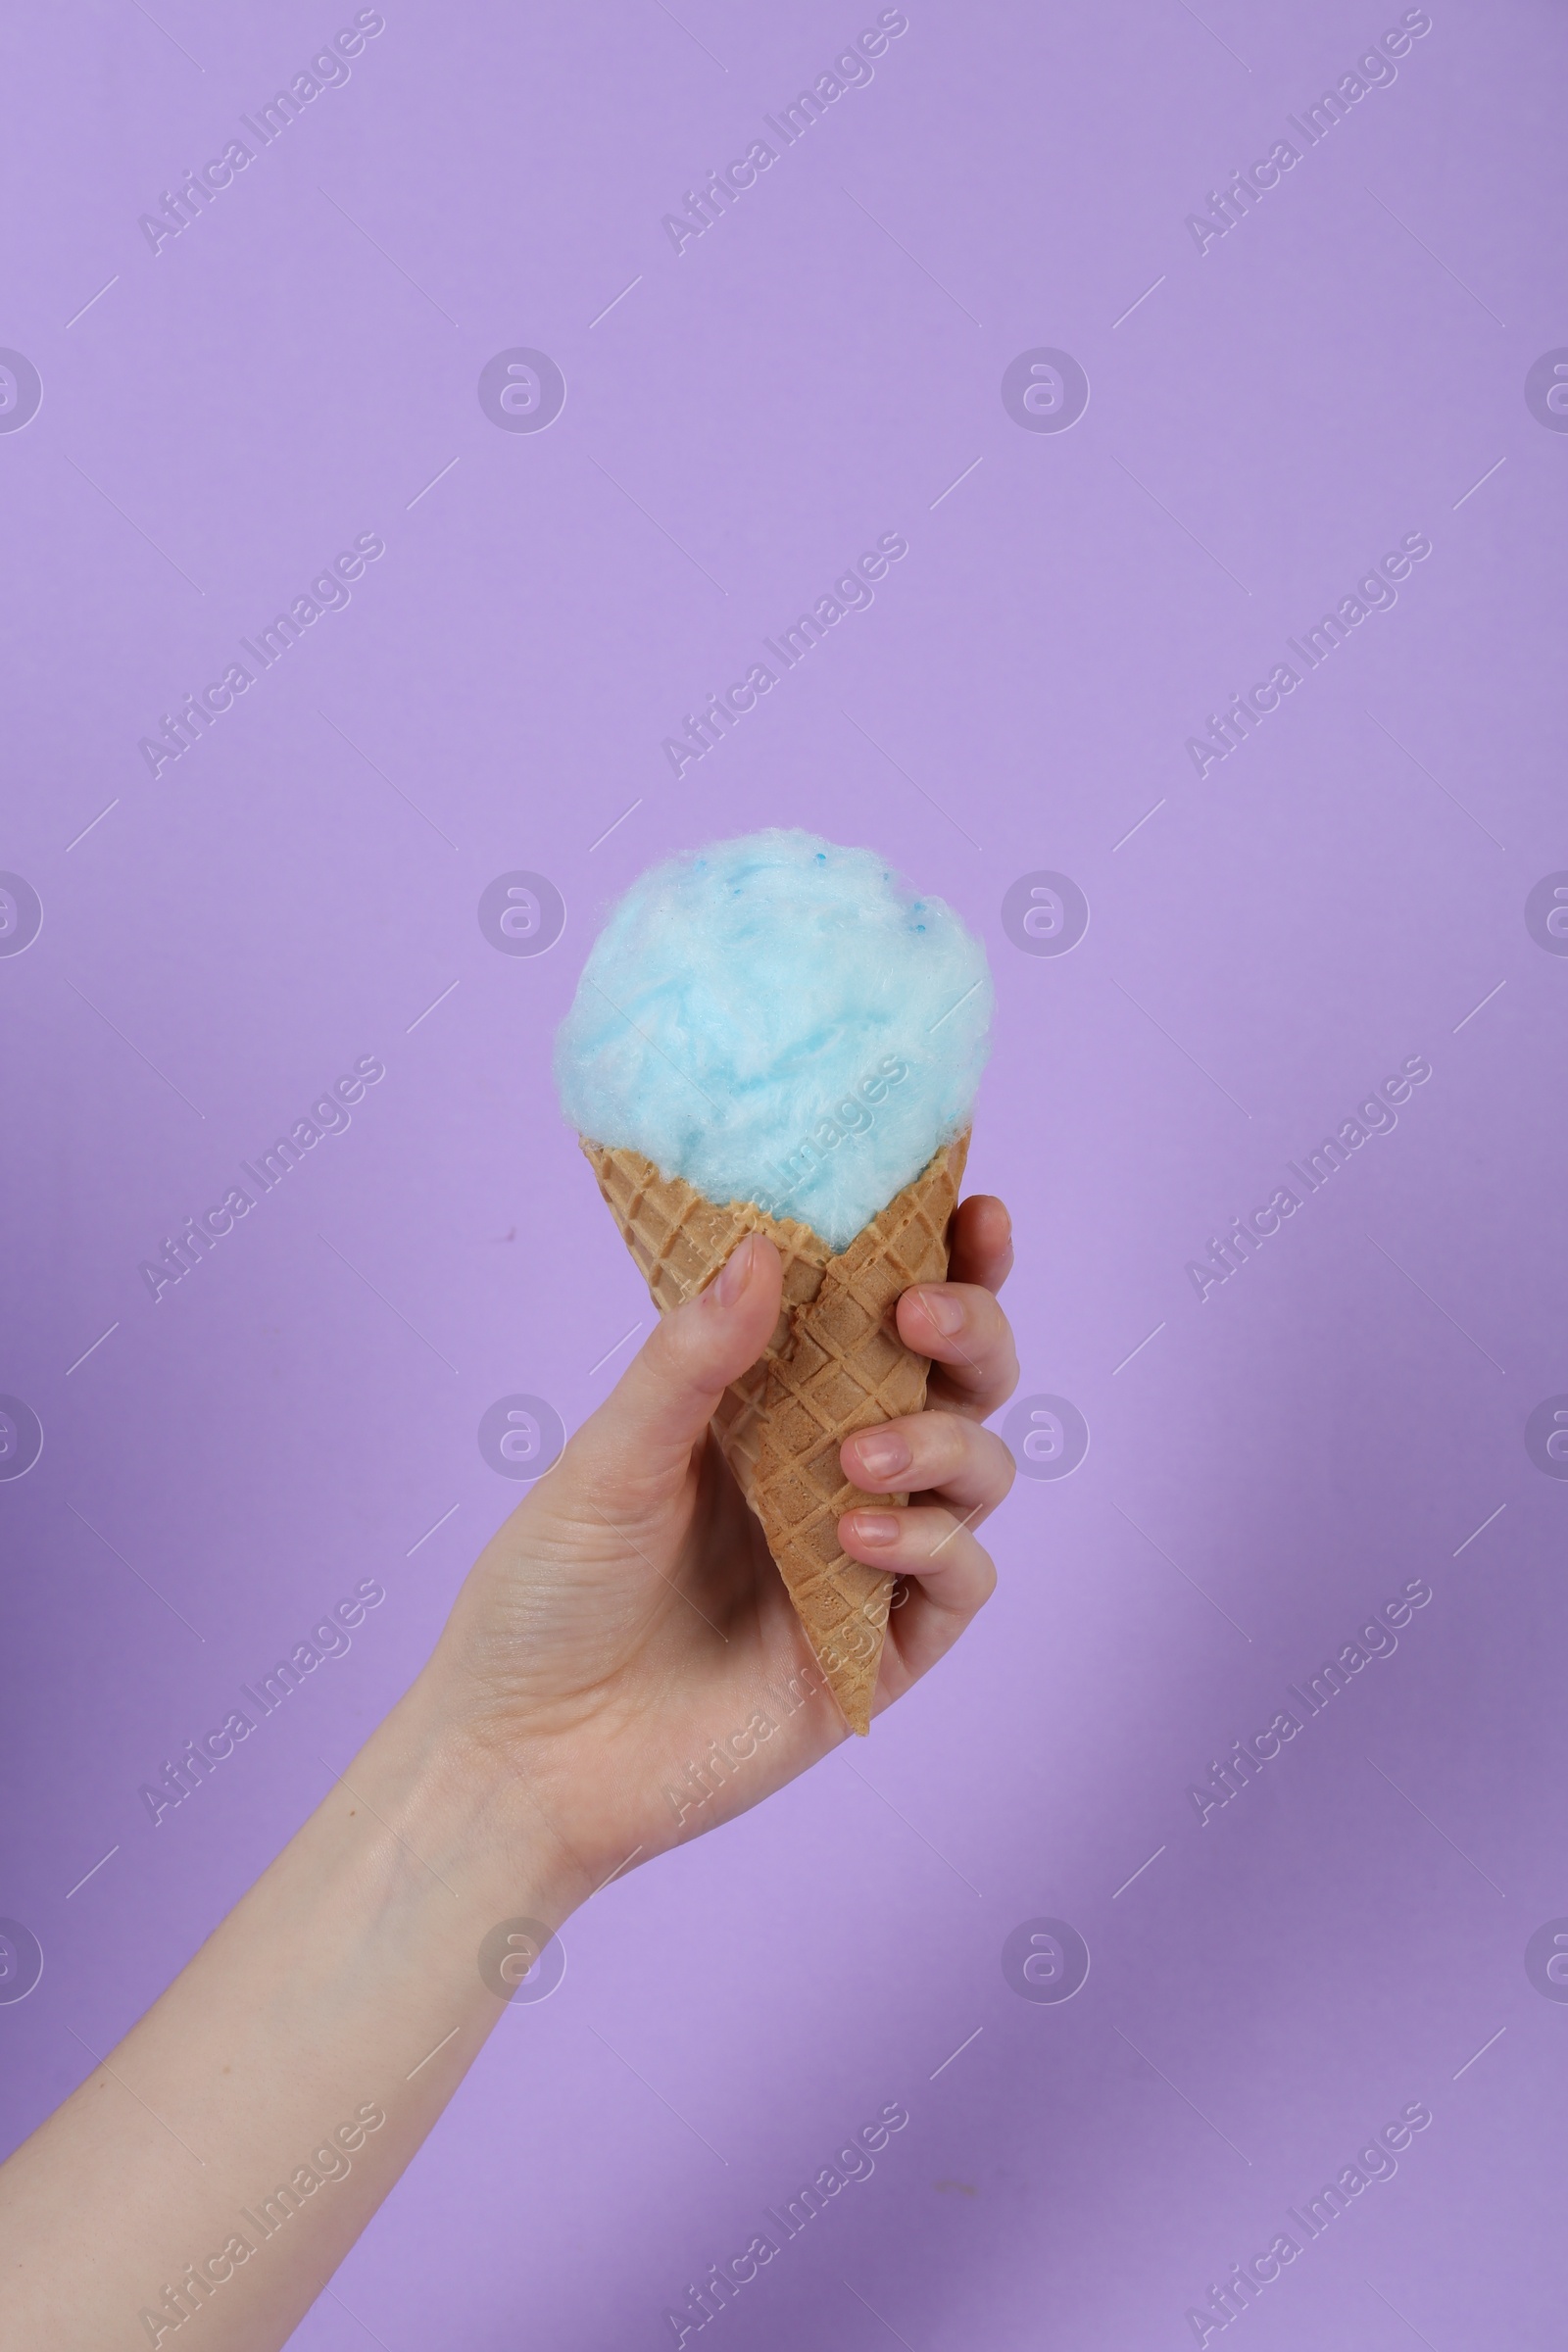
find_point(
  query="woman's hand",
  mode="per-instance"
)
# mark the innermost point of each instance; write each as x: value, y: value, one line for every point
x: 623, y: 1669
x: 625, y: 1662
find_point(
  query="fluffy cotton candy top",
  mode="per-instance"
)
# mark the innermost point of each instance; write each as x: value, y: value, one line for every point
x: 781, y: 1021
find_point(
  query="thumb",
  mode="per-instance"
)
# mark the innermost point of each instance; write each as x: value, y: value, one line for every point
x: 664, y: 1402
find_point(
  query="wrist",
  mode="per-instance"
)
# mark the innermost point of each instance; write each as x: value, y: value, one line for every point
x: 472, y: 1794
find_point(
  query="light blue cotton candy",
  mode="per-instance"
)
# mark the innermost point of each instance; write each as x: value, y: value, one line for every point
x: 782, y: 1022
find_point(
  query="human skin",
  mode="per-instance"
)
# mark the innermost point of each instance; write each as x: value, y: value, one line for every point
x: 625, y: 1616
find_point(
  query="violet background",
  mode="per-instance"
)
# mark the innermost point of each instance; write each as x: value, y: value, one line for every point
x: 298, y: 366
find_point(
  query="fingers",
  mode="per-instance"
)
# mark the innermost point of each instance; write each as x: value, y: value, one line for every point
x: 945, y: 1574
x: 924, y: 1453
x: 962, y: 1329
x: 980, y: 1242
x: 945, y: 1578
x: 663, y: 1404
x: 926, y: 1619
x: 928, y: 1542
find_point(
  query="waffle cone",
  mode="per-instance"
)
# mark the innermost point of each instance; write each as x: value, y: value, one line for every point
x: 835, y: 1363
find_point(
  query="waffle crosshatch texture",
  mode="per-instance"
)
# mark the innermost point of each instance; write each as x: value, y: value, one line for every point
x: 836, y: 1363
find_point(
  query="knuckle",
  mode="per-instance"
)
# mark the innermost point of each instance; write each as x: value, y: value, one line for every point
x: 940, y: 1442
x: 991, y: 1324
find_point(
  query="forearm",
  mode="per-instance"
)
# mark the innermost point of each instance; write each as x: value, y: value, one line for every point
x: 345, y: 1987
x: 627, y: 1618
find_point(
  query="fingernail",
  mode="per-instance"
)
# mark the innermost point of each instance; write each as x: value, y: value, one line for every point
x: 734, y: 1274
x: 943, y: 1310
x: 875, y: 1527
x: 881, y: 1454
